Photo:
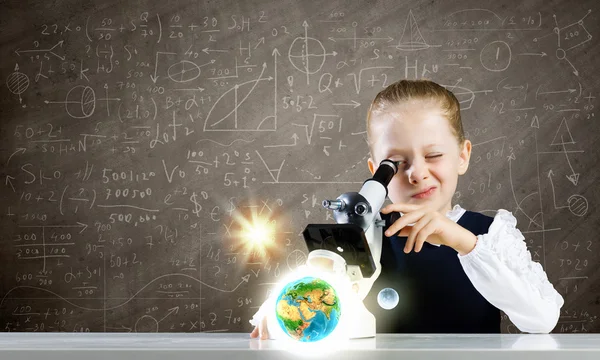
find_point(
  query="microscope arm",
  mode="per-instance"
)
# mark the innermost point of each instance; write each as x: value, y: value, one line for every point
x: 363, y: 209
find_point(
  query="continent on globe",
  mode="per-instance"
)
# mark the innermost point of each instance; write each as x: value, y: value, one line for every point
x: 308, y: 309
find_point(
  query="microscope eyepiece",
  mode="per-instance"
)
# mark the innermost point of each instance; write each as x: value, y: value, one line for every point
x: 333, y: 204
x: 386, y: 170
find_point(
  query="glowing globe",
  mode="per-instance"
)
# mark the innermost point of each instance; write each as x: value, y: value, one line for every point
x: 308, y: 309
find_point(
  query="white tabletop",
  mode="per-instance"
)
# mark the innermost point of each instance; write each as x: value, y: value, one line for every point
x: 171, y: 346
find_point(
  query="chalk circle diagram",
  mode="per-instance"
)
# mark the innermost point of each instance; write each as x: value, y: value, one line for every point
x: 184, y: 71
x: 80, y: 102
x: 307, y: 54
x: 300, y: 57
x: 17, y: 83
x: 229, y: 113
x: 578, y: 205
x: 295, y: 259
x: 146, y: 323
x: 496, y: 56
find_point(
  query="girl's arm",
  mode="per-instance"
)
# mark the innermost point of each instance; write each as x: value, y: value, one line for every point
x: 501, y: 269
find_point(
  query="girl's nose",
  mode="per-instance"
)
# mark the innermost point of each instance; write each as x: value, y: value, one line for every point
x: 417, y: 172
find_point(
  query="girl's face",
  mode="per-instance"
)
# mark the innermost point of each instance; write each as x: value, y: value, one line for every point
x: 417, y: 134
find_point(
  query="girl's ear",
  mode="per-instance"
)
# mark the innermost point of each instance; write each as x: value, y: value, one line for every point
x: 464, y: 157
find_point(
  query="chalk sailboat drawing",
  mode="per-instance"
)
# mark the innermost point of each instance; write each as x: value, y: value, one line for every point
x: 413, y: 40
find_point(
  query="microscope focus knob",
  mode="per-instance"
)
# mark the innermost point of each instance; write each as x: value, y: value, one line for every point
x: 361, y: 209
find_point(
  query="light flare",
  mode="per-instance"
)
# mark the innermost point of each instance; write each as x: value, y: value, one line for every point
x: 257, y: 234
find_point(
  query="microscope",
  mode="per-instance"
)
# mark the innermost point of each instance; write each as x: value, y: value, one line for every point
x: 347, y: 253
x: 352, y: 246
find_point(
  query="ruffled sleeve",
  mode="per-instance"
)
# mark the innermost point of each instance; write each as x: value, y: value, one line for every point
x: 501, y: 269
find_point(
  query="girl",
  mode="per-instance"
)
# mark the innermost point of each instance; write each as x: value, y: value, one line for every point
x: 482, y: 268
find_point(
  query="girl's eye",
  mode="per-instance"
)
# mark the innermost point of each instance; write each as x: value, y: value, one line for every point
x: 434, y: 156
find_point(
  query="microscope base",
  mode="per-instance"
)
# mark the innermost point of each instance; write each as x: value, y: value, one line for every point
x: 362, y: 324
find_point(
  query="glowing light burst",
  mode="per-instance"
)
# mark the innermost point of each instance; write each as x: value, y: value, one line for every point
x: 257, y: 234
x: 260, y: 233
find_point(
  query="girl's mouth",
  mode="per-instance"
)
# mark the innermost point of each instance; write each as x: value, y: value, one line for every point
x: 425, y: 194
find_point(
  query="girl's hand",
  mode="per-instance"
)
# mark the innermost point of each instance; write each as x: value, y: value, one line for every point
x: 261, y: 331
x: 428, y: 225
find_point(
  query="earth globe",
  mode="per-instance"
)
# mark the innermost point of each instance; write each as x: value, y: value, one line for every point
x: 308, y: 309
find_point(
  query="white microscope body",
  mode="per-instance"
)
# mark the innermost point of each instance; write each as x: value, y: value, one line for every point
x: 360, y: 209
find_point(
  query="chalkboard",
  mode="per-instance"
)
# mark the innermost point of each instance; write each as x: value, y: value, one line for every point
x: 140, y: 139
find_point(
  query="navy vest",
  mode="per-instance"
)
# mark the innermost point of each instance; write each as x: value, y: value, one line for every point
x: 435, y: 294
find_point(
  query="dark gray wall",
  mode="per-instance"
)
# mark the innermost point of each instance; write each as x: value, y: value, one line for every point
x: 138, y: 138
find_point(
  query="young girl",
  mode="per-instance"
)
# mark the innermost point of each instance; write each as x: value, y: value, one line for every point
x: 482, y: 268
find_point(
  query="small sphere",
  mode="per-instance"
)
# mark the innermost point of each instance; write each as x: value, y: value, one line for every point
x: 388, y: 298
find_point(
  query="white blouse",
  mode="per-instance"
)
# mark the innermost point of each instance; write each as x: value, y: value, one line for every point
x: 501, y: 269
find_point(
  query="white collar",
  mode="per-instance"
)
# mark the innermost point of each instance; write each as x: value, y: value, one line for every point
x: 456, y: 213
